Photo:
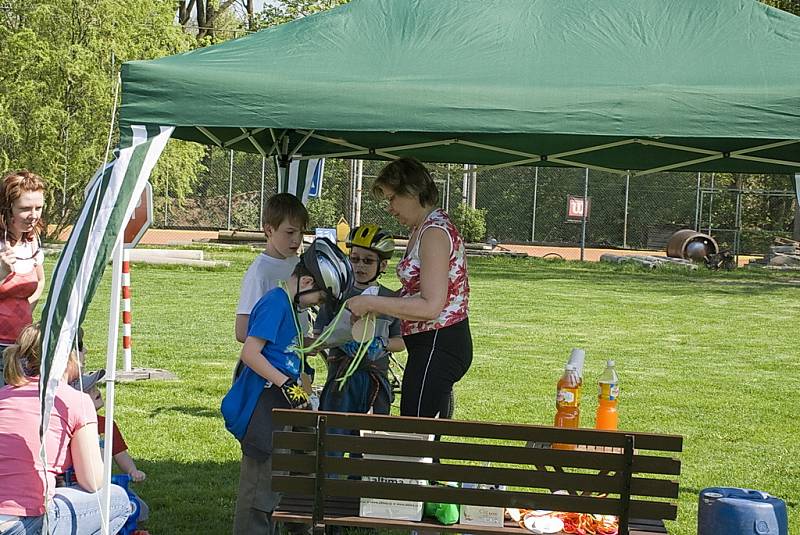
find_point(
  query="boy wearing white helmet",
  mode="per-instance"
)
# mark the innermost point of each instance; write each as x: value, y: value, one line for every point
x: 271, y: 374
x: 368, y: 388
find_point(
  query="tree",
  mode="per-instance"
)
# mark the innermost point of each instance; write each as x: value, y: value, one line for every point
x: 58, y: 72
x: 792, y: 6
x: 213, y: 21
x: 280, y: 11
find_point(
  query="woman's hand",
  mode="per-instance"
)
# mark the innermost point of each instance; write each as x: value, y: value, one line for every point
x: 7, y: 260
x: 360, y: 305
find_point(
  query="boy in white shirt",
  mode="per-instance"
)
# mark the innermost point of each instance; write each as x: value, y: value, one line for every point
x: 285, y: 219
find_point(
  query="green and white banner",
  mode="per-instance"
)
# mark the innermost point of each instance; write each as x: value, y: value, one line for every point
x: 303, y: 178
x: 111, y: 197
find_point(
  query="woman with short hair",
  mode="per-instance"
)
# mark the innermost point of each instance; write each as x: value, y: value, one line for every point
x: 434, y: 298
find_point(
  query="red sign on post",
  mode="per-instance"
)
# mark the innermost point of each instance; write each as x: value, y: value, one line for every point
x: 575, y: 207
x: 141, y: 218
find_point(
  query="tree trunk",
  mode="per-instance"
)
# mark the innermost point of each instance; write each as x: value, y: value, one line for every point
x: 251, y: 22
x: 202, y: 20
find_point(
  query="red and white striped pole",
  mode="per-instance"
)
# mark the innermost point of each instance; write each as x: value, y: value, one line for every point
x: 126, y: 309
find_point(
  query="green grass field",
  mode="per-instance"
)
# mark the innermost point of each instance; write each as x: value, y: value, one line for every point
x: 714, y: 357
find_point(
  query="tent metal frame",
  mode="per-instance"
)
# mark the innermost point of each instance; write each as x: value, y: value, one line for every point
x: 280, y: 148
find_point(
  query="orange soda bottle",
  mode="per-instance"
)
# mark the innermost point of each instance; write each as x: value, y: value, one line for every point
x: 607, y: 399
x: 568, y: 401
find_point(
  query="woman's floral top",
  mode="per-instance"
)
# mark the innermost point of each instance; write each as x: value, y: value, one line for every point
x: 408, y: 271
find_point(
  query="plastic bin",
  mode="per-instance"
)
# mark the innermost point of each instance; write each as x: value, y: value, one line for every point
x: 735, y: 511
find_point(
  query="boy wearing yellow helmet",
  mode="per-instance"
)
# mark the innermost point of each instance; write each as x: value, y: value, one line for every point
x: 368, y: 388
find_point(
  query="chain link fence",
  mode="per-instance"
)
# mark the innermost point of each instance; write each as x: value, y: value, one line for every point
x: 521, y: 205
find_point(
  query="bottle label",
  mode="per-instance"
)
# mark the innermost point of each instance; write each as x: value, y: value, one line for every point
x: 609, y: 391
x: 568, y: 397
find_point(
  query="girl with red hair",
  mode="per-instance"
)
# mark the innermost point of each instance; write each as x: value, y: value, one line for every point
x: 21, y: 256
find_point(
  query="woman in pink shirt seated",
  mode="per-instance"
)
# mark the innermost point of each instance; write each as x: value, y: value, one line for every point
x: 21, y: 256
x: 71, y: 441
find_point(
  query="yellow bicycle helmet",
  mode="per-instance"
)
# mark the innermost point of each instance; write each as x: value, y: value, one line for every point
x: 371, y: 237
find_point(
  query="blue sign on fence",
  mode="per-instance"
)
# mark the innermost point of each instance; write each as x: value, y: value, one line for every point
x: 315, y: 190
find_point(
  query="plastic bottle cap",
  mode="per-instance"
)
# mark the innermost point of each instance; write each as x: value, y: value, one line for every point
x: 610, y: 363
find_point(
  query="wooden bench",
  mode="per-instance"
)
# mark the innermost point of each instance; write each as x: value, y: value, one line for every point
x: 629, y: 475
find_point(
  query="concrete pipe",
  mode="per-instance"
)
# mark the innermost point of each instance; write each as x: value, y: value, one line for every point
x: 691, y: 245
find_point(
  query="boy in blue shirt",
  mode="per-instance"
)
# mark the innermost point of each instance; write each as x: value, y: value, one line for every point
x: 271, y: 377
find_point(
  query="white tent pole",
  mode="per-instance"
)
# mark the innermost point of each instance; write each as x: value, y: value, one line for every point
x: 357, y: 196
x: 625, y: 221
x: 111, y: 367
x: 230, y: 191
x: 697, y: 206
x: 473, y: 186
x: 535, y: 194
x: 585, y: 210
x: 261, y: 205
x: 447, y: 191
x: 796, y: 228
x: 710, y: 203
x: 465, y: 184
x: 352, y: 184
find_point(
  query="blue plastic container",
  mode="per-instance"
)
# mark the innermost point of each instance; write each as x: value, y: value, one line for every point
x: 733, y: 511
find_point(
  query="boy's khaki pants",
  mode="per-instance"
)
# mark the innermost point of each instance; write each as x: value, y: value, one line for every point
x: 255, y: 500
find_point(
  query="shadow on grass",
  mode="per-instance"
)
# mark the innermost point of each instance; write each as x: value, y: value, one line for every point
x: 189, y: 498
x: 188, y: 410
x: 669, y: 281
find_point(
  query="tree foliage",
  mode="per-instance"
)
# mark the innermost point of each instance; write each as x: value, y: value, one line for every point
x: 58, y: 71
x: 280, y: 11
x: 792, y: 6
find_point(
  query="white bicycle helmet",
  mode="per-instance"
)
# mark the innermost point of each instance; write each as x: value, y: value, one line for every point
x: 330, y: 268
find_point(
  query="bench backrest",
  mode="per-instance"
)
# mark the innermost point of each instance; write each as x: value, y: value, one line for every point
x: 606, y: 472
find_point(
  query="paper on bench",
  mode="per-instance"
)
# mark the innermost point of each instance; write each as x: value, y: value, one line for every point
x: 387, y: 508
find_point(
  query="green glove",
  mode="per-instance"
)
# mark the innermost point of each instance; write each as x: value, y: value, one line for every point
x: 446, y: 513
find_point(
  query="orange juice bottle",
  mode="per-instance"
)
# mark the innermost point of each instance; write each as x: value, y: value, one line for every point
x: 568, y: 402
x: 607, y: 399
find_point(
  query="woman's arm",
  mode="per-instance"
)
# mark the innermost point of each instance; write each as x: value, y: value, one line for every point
x: 34, y: 298
x: 86, y: 457
x: 252, y: 357
x: 434, y: 255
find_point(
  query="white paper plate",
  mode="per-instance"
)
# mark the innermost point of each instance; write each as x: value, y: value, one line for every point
x: 543, y: 524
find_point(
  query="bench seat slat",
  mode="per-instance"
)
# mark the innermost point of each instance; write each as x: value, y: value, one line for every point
x: 649, y: 464
x: 510, y: 477
x: 598, y: 460
x: 493, y: 430
x: 442, y: 494
x: 477, y: 452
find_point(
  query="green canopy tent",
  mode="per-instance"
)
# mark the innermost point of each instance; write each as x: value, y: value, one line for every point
x: 634, y: 86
